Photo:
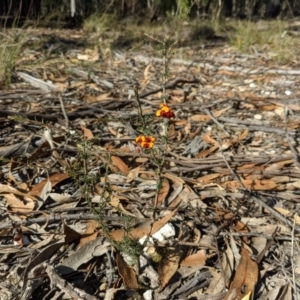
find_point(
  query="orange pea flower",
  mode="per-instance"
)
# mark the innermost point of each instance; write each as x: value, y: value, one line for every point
x: 165, y: 111
x: 145, y: 141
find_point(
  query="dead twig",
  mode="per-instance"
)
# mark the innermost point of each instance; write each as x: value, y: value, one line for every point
x: 62, y: 284
x: 63, y: 109
x: 58, y: 218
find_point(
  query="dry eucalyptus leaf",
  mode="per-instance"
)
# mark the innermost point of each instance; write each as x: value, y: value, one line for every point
x: 127, y: 273
x: 245, y: 278
x: 143, y: 229
x: 84, y: 254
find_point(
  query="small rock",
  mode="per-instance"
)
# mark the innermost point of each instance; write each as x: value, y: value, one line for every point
x: 257, y: 117
x: 288, y: 93
x: 103, y: 286
x: 148, y: 295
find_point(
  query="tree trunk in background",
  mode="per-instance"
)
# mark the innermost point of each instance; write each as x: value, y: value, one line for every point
x: 214, y: 9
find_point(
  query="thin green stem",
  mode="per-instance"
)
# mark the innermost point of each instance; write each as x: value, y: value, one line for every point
x: 139, y: 105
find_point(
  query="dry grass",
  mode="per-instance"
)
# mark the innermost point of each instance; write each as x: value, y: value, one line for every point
x: 267, y: 37
x: 11, y: 46
x: 246, y: 37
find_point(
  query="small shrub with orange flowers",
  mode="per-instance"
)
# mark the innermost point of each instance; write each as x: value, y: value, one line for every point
x: 165, y: 112
x: 145, y: 141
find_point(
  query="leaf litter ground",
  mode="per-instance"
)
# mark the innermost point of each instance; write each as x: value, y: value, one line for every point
x: 77, y: 191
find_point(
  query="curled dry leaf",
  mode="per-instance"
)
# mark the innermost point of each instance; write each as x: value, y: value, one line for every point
x: 174, y: 178
x: 245, y: 277
x: 127, y: 273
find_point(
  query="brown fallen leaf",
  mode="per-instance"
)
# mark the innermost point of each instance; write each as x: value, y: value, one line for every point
x: 163, y: 192
x: 247, y: 166
x: 90, y: 98
x: 169, y: 265
x: 240, y: 227
x: 268, y: 107
x: 200, y: 118
x: 174, y: 178
x: 208, y: 178
x: 250, y: 96
x: 279, y: 165
x: 205, y: 153
x: 115, y: 202
x: 133, y: 174
x: 216, y: 284
x: 54, y: 179
x: 288, y: 213
x: 245, y: 277
x: 172, y: 257
x: 227, y: 263
x: 143, y: 229
x: 90, y: 232
x: 209, y: 140
x: 127, y: 273
x: 20, y: 206
x: 118, y: 162
x: 87, y: 133
x: 241, y: 137
x: 187, y: 195
x: 8, y: 189
x: 260, y: 185
x: 199, y: 258
x: 257, y: 185
x: 218, y: 113
x: 71, y: 234
x: 204, y: 118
